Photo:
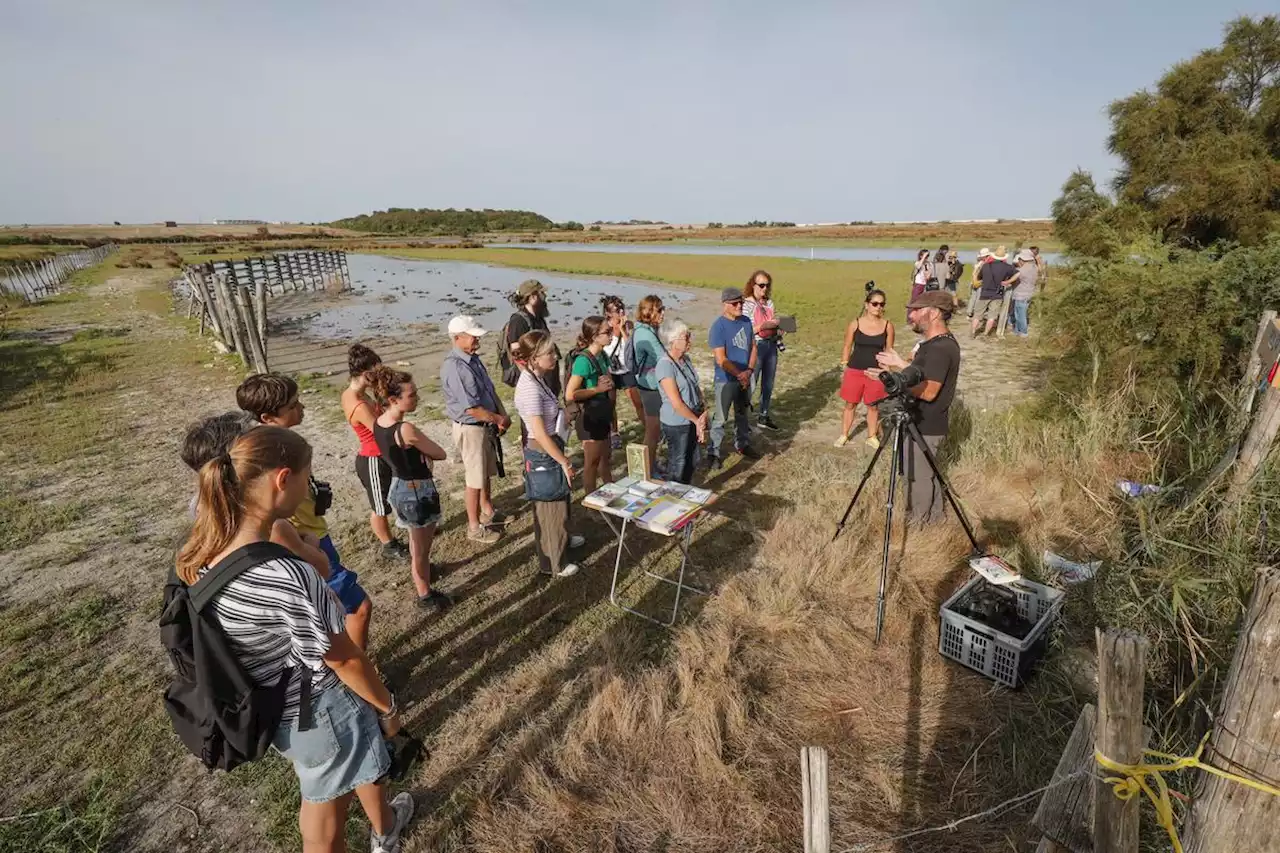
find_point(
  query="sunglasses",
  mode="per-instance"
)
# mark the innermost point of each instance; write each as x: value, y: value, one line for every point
x: 736, y: 302
x: 876, y: 304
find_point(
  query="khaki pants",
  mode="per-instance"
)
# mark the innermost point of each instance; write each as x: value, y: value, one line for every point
x: 550, y: 533
x: 925, y: 501
x: 478, y: 461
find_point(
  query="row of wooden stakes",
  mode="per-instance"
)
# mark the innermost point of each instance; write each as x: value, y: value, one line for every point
x: 34, y: 280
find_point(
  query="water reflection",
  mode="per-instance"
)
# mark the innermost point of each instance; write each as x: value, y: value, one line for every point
x: 394, y: 296
x: 817, y: 253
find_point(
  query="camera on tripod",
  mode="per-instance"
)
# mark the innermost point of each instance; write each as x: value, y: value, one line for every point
x: 897, y: 383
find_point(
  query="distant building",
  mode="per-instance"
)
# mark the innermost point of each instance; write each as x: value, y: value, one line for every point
x: 239, y: 222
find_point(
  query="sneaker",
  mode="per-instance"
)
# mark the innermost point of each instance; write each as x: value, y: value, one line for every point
x: 495, y: 520
x: 435, y: 602
x: 713, y: 462
x: 402, y: 808
x: 576, y: 541
x: 873, y: 443
x: 842, y: 441
x: 749, y: 452
x: 766, y: 422
x: 395, y: 549
x: 567, y: 571
x: 483, y: 535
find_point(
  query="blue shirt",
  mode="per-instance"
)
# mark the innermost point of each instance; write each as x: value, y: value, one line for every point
x: 648, y: 349
x: 686, y: 378
x: 736, y: 338
x: 465, y: 384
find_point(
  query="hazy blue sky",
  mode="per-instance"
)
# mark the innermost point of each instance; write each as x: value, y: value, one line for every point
x: 142, y: 110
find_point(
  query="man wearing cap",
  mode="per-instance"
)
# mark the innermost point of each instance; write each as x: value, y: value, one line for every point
x: 732, y: 340
x: 1028, y: 276
x: 938, y: 357
x: 530, y: 300
x: 997, y: 276
x: 478, y: 419
x: 975, y: 283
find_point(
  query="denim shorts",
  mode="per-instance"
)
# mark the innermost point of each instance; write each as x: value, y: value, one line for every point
x: 416, y: 502
x: 342, y: 750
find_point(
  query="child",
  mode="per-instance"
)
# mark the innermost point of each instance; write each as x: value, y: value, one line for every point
x: 272, y: 399
x: 413, y: 490
x: 278, y: 618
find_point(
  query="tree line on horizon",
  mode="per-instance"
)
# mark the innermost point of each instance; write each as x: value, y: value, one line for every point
x: 424, y: 220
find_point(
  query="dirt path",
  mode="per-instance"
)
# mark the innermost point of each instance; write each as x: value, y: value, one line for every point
x: 490, y: 685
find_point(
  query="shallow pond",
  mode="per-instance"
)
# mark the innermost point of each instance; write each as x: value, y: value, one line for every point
x: 768, y: 250
x: 393, y: 295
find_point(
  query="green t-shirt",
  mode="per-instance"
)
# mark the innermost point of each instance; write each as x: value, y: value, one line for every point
x: 590, y: 369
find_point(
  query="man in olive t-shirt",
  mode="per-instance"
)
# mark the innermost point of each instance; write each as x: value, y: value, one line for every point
x: 938, y: 358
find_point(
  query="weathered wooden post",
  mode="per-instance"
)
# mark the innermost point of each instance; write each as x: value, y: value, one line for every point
x: 233, y: 321
x: 260, y: 310
x: 255, y: 350
x: 346, y: 271
x: 1121, y: 673
x: 1266, y: 421
x: 813, y: 794
x: 1246, y: 738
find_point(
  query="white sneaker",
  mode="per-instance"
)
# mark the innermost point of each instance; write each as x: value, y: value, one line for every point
x: 576, y: 541
x: 402, y: 808
x: 842, y: 441
x: 567, y: 571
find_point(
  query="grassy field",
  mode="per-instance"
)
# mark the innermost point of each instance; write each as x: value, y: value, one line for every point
x: 555, y: 722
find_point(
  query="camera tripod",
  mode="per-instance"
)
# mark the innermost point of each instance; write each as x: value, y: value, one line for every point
x: 901, y: 430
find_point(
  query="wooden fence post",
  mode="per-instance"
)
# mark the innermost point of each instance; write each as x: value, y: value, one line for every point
x: 1121, y: 673
x: 255, y: 350
x: 813, y: 780
x: 236, y: 342
x: 1246, y: 737
x: 1257, y: 444
x: 260, y: 310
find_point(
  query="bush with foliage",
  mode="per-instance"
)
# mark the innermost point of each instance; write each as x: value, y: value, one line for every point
x: 400, y: 220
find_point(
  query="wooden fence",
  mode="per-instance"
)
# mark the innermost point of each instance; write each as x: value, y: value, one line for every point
x: 34, y: 280
x: 232, y: 295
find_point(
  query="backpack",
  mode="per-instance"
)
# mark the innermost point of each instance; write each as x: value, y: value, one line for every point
x: 510, y: 370
x: 221, y: 716
x: 957, y: 270
x: 572, y: 408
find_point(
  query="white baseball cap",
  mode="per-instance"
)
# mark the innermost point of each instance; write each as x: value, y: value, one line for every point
x: 465, y: 324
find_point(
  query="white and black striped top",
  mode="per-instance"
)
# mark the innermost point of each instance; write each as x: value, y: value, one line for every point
x: 277, y: 615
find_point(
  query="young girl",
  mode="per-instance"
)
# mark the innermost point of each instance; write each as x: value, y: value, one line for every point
x: 757, y: 305
x: 869, y: 334
x: 413, y: 491
x: 279, y: 615
x: 361, y: 411
x: 548, y: 471
x: 648, y: 349
x: 591, y: 386
x: 620, y: 330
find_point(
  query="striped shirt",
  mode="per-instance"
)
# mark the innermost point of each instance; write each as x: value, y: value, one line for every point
x: 277, y: 615
x: 533, y: 397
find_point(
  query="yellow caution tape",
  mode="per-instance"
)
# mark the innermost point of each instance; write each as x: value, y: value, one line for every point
x: 1134, y: 780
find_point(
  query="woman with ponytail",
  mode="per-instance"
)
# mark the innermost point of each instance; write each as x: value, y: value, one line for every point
x: 620, y: 357
x: 548, y: 473
x: 868, y: 334
x: 361, y: 410
x: 413, y: 493
x: 278, y: 616
x: 591, y: 386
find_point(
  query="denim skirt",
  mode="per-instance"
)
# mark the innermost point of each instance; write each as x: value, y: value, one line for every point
x: 342, y: 750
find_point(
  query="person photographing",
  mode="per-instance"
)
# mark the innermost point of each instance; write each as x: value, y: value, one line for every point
x: 938, y: 359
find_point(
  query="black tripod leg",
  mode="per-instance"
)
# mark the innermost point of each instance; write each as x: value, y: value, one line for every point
x: 888, y: 531
x: 866, y: 475
x: 915, y: 436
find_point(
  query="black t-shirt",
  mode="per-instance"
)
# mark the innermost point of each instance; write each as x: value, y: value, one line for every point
x: 993, y: 274
x: 939, y: 358
x: 520, y: 323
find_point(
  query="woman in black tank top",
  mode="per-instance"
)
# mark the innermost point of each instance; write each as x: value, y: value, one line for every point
x: 868, y: 335
x: 413, y: 492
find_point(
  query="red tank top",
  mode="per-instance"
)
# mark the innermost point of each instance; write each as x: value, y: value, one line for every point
x: 368, y: 447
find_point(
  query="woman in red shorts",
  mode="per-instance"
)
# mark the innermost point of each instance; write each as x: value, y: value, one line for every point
x: 869, y: 334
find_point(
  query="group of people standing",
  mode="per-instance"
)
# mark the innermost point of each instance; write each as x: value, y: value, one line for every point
x: 294, y: 616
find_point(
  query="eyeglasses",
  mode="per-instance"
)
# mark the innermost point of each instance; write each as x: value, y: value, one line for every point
x: 737, y: 302
x: 876, y: 304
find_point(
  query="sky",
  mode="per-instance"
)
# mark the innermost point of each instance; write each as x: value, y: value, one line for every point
x: 311, y: 110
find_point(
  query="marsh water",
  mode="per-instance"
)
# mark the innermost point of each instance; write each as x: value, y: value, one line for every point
x: 393, y: 296
x: 768, y: 250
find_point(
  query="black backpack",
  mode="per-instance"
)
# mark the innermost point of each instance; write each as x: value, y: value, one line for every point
x: 222, y: 717
x: 509, y: 369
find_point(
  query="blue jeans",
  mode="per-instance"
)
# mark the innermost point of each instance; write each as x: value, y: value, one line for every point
x: 1019, y: 313
x: 728, y: 394
x: 682, y: 448
x: 766, y: 369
